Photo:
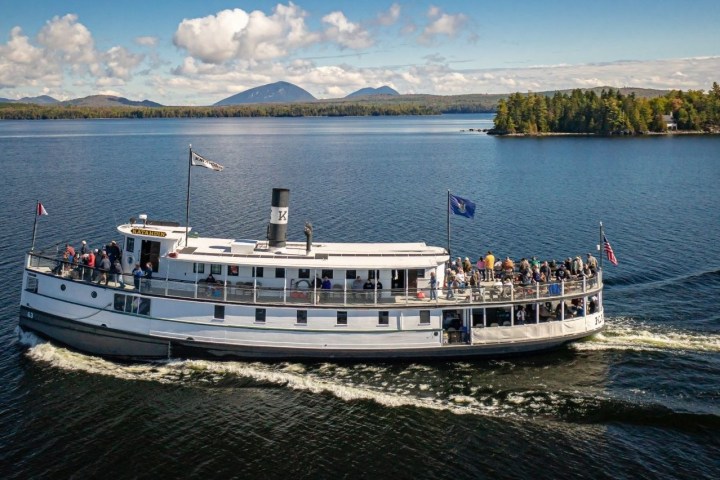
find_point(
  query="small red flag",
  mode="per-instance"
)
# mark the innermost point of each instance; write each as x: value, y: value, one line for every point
x: 41, y: 210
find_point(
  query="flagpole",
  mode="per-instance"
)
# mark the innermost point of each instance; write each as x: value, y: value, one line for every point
x: 37, y: 206
x: 447, y: 212
x: 602, y: 245
x: 187, y: 198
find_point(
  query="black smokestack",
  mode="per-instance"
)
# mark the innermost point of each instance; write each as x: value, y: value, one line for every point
x: 277, y: 229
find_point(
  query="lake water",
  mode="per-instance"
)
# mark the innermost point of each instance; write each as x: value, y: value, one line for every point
x: 640, y: 400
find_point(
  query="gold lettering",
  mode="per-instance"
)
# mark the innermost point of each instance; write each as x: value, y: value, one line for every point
x: 149, y: 233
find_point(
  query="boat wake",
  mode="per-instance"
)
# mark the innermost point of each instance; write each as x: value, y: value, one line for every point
x: 624, y: 333
x: 500, y: 389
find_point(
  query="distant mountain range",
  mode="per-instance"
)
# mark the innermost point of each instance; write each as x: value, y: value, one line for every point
x: 284, y: 92
x: 384, y: 90
x: 278, y: 92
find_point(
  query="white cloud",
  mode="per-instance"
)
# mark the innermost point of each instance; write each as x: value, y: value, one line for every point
x: 22, y: 64
x: 68, y: 38
x: 441, y: 24
x: 346, y: 33
x: 119, y: 62
x: 235, y: 34
x: 391, y: 16
x: 147, y: 41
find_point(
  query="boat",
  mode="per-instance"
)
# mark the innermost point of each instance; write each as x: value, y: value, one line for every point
x: 226, y: 298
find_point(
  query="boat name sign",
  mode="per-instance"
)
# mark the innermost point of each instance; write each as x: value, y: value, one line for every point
x: 149, y: 233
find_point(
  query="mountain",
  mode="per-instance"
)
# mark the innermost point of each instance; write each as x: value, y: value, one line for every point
x: 384, y: 90
x: 41, y: 100
x: 278, y: 92
x: 108, y: 101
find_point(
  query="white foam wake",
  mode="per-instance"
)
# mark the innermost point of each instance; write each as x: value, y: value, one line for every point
x: 623, y: 333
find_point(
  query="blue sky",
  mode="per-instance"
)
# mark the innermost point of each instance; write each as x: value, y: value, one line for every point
x: 199, y: 52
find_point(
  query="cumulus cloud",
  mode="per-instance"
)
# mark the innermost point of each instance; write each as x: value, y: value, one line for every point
x: 346, y: 33
x: 235, y: 34
x: 22, y: 64
x: 119, y: 62
x: 390, y: 16
x: 69, y: 38
x: 441, y: 24
x: 146, y: 41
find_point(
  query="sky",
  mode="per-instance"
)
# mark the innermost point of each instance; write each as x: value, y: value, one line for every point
x: 184, y: 52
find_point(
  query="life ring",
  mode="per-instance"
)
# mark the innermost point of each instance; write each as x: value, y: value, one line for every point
x: 306, y: 283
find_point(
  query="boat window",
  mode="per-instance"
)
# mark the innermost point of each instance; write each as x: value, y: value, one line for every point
x: 420, y: 273
x: 424, y: 317
x: 498, y: 316
x: 233, y: 270
x: 350, y: 274
x: 478, y: 317
x: 341, y: 318
x: 383, y: 317
x: 216, y: 269
x: 32, y: 284
x: 260, y: 315
x: 327, y: 273
x: 372, y: 274
x: 257, y: 272
x: 198, y: 268
x: 129, y: 244
x: 220, y: 312
x: 304, y: 273
x: 131, y: 304
x: 279, y: 272
x: 302, y: 317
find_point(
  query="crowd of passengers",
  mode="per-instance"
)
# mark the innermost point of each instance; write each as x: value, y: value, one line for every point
x: 101, y: 266
x: 462, y: 274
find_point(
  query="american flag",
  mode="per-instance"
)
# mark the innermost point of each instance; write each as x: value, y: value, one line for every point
x: 609, y: 251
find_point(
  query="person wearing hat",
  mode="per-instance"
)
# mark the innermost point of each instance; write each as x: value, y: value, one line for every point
x: 467, y: 266
x: 85, y: 249
x: 113, y: 251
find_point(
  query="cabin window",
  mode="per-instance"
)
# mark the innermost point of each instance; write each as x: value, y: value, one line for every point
x: 304, y: 273
x: 198, y: 268
x: 32, y: 284
x: 220, y: 312
x: 216, y: 269
x: 342, y: 318
x: 280, y: 273
x: 302, y: 317
x: 373, y: 274
x: 233, y: 270
x: 383, y: 317
x: 498, y: 317
x: 420, y: 273
x: 257, y: 272
x: 478, y: 317
x: 260, y: 315
x: 131, y: 304
x: 350, y: 274
x: 424, y: 317
x: 327, y: 273
x: 129, y: 244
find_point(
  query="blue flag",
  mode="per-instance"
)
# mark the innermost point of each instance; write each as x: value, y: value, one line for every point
x: 462, y: 206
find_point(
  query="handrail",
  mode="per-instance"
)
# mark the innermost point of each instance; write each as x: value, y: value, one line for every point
x: 255, y: 293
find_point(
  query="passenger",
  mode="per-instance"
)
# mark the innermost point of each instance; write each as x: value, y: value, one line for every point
x: 117, y: 273
x: 379, y: 286
x: 450, y: 284
x: 461, y: 280
x: 70, y: 253
x: 535, y: 262
x: 467, y: 266
x: 210, y: 278
x: 508, y: 266
x: 357, y: 286
x: 368, y: 285
x: 546, y: 311
x: 113, y: 251
x: 84, y: 249
x: 148, y: 270
x: 537, y: 277
x: 91, y: 260
x: 104, y: 269
x: 592, y: 263
x: 545, y: 271
x: 490, y: 266
x: 561, y: 274
x: 138, y: 274
x: 520, y: 316
x: 577, y: 266
x: 481, y: 268
x: 433, y: 286
x: 326, y: 284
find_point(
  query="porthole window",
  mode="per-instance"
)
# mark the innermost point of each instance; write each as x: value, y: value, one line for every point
x: 63, y: 287
x: 93, y: 294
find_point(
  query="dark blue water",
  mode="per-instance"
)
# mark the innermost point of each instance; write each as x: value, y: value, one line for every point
x: 641, y: 400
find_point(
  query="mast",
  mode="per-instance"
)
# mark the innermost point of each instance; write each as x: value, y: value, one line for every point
x: 187, y: 198
x: 447, y: 212
x: 601, y: 245
x: 32, y: 245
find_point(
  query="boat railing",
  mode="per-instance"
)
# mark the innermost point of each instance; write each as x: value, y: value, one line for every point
x: 255, y: 293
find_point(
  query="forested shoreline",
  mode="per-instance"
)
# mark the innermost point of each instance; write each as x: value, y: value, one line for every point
x: 609, y: 113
